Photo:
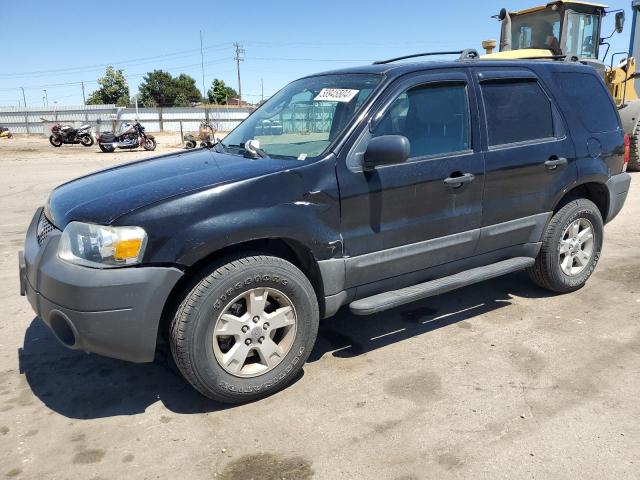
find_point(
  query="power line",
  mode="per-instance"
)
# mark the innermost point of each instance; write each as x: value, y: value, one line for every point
x: 133, y: 75
x: 182, y: 53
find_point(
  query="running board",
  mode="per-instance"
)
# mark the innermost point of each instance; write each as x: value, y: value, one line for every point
x: 387, y: 300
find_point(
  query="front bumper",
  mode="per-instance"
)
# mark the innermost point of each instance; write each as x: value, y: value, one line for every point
x: 111, y: 312
x: 618, y: 187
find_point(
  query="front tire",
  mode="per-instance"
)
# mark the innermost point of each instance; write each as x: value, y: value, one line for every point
x: 245, y: 330
x: 571, y: 248
x: 55, y: 141
x: 150, y: 144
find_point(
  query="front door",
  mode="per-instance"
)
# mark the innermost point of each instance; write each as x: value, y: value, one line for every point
x: 407, y: 217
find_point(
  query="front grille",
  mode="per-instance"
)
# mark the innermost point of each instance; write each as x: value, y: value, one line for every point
x: 45, y: 227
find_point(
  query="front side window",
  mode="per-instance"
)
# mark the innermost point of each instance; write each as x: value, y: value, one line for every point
x: 516, y: 111
x: 582, y: 35
x: 536, y: 30
x: 435, y: 119
x: 303, y: 118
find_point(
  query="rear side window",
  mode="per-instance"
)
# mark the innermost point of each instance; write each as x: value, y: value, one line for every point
x: 589, y: 97
x: 517, y: 111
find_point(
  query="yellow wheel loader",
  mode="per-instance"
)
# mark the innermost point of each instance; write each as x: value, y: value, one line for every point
x: 572, y: 30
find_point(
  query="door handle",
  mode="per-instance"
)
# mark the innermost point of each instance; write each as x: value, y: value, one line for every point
x: 458, y: 181
x: 555, y: 162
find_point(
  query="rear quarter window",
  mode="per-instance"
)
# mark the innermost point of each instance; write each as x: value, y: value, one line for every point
x: 589, y: 97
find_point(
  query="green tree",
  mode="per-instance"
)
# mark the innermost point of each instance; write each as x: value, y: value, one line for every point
x: 220, y: 93
x: 186, y: 86
x: 181, y: 100
x: 113, y: 89
x: 158, y: 88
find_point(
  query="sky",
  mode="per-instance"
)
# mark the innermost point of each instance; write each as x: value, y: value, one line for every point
x: 57, y: 45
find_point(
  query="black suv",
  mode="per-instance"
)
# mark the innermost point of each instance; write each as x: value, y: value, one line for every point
x: 381, y: 185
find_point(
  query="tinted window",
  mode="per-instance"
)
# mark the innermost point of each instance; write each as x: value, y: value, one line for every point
x: 435, y: 119
x: 517, y: 111
x: 598, y: 114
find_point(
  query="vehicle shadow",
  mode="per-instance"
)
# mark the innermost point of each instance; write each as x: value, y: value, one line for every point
x: 83, y: 386
x: 78, y: 385
x: 347, y: 335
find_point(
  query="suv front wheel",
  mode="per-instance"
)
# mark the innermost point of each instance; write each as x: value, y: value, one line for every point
x: 244, y: 331
x: 571, y: 247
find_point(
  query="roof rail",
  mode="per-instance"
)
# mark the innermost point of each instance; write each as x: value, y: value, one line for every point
x: 467, y: 54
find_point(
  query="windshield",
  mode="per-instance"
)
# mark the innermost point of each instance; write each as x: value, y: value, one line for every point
x: 536, y: 30
x: 303, y: 118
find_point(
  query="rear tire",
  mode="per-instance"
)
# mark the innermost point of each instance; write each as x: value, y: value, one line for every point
x: 634, y: 150
x: 571, y: 248
x: 55, y: 141
x: 217, y: 323
x: 86, y: 140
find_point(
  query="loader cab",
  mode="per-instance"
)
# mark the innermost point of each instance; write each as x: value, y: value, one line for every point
x: 558, y: 28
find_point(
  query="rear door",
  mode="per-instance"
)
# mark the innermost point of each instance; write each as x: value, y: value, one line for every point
x: 529, y: 158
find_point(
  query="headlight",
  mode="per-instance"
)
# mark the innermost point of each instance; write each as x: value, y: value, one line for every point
x: 102, y: 247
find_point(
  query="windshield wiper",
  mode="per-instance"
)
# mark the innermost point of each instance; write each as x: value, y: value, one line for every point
x: 258, y: 153
x: 218, y: 144
x: 254, y: 153
x: 252, y: 150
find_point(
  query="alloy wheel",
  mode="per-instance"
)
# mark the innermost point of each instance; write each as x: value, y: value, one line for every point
x: 254, y: 332
x: 576, y: 247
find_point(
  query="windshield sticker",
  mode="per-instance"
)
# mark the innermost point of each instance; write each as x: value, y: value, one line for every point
x: 302, y: 157
x: 342, y: 95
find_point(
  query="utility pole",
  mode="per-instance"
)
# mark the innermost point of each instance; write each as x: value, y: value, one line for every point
x: 84, y: 99
x: 204, y: 88
x: 26, y: 115
x: 238, y: 58
x: 46, y: 98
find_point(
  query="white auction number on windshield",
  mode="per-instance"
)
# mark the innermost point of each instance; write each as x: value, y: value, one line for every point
x: 343, y: 95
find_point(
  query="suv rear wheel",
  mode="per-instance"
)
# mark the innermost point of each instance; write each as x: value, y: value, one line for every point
x: 571, y: 247
x: 244, y: 331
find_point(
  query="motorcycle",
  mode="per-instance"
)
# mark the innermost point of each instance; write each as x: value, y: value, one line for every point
x: 61, y: 134
x: 4, y: 132
x: 132, y: 135
x: 205, y: 135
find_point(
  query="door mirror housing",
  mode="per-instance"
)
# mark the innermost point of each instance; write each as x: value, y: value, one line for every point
x: 620, y: 17
x: 386, y: 150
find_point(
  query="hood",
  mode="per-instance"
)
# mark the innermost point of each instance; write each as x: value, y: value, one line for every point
x: 104, y: 196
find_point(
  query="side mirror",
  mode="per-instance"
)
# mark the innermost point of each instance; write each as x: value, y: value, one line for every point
x: 620, y: 22
x: 386, y: 150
